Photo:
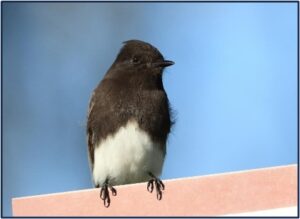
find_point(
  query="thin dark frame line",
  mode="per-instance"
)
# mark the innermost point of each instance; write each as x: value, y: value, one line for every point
x: 298, y: 103
x: 172, y: 1
x: 1, y: 111
x: 255, y: 1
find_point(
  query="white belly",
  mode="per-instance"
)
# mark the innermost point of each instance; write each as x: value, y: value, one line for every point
x: 127, y: 157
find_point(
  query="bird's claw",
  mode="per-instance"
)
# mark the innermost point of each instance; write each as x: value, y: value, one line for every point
x: 150, y: 185
x: 158, y: 184
x: 104, y: 193
x: 113, y: 190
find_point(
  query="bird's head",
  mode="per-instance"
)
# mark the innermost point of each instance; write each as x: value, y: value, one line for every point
x: 137, y: 56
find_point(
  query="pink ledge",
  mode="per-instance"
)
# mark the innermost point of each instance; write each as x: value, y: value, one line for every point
x: 220, y: 194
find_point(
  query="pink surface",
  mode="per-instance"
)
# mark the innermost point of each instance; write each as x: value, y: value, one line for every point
x: 197, y: 196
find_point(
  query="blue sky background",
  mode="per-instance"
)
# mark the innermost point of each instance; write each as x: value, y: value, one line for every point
x: 233, y: 87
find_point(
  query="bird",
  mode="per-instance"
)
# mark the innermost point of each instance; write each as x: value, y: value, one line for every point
x: 129, y: 121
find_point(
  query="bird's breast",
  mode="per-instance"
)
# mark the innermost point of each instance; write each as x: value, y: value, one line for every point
x: 127, y: 156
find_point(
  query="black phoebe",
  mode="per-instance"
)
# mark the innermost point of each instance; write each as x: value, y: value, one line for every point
x: 129, y: 121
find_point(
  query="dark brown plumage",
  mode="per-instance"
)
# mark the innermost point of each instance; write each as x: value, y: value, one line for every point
x: 131, y: 89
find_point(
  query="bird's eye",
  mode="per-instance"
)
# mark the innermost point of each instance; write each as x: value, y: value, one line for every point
x: 135, y: 60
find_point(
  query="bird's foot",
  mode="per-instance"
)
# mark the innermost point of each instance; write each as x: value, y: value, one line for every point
x: 157, y: 183
x: 104, y: 193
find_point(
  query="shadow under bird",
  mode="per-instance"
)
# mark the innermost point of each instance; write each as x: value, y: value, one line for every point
x: 129, y: 120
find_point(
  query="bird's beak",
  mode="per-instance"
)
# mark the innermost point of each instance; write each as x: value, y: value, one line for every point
x: 163, y: 64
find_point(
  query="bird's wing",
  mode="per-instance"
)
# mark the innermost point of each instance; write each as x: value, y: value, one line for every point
x: 107, y: 111
x: 91, y: 143
x: 98, y: 115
